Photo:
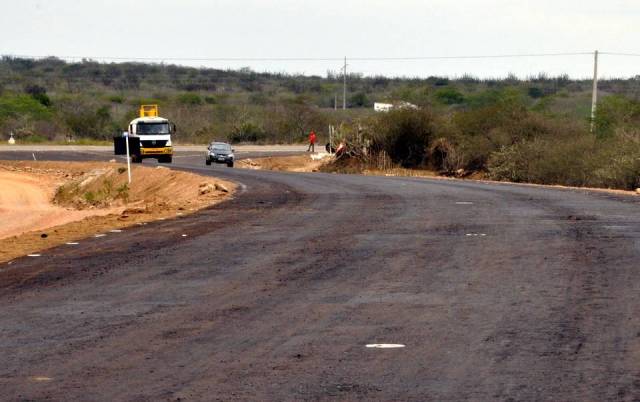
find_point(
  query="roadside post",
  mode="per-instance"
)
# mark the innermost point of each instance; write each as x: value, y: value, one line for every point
x: 126, y: 136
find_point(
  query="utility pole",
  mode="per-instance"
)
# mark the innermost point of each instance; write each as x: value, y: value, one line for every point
x: 335, y: 101
x: 126, y: 135
x: 594, y: 97
x: 344, y: 86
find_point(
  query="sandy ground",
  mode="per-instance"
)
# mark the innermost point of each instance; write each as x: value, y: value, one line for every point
x: 25, y: 204
x: 296, y: 163
x: 33, y: 221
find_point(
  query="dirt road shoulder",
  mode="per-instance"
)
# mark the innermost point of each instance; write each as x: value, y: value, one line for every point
x: 45, y: 204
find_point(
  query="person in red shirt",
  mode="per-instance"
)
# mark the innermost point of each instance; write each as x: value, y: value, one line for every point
x: 312, y: 142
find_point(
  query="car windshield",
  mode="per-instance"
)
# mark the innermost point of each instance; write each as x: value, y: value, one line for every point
x: 152, y: 128
x: 220, y: 147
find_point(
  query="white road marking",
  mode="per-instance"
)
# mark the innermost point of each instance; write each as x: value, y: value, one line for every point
x: 116, y: 231
x: 100, y: 235
x: 385, y: 345
x: 476, y: 234
x: 41, y: 378
x: 464, y: 203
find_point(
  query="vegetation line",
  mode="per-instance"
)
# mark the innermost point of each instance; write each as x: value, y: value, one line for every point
x: 378, y: 58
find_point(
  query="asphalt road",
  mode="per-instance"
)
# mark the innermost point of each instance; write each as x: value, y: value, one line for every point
x: 498, y: 292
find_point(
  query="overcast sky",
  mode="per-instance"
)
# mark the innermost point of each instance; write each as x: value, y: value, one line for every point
x: 335, y: 28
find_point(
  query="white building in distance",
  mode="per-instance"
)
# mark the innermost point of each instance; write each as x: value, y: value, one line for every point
x: 385, y: 107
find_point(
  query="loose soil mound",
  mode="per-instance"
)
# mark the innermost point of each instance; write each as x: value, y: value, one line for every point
x: 43, y: 204
x: 296, y: 163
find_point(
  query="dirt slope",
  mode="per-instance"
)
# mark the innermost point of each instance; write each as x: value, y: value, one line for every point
x: 25, y: 204
x: 43, y: 204
x: 293, y: 163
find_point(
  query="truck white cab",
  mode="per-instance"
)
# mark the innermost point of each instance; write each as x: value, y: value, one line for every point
x: 154, y: 133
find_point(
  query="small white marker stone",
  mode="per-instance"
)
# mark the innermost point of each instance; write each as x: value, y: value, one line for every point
x: 100, y: 235
x: 115, y: 231
x: 73, y: 243
x: 184, y: 235
x: 33, y: 255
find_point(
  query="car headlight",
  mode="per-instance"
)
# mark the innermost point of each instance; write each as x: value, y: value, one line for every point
x: 231, y: 156
x: 168, y: 143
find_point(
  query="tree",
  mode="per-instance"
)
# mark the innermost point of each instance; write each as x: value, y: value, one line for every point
x: 359, y: 100
x: 38, y: 93
x: 449, y: 96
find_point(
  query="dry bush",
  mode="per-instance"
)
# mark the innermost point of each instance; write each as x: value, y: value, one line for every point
x: 572, y: 160
x: 405, y: 135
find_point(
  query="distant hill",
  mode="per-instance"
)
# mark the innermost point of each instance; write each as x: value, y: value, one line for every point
x: 51, y: 99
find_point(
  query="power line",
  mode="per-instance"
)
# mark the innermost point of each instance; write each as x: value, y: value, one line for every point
x: 494, y: 56
x: 621, y: 54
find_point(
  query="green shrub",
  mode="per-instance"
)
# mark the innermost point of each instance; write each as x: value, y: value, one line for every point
x: 19, y: 106
x: 33, y: 139
x: 535, y: 92
x: 247, y: 132
x: 405, y: 135
x: 122, y: 192
x: 616, y: 111
x: 85, y: 121
x: 543, y: 161
x: 359, y: 99
x: 38, y: 93
x: 575, y: 160
x: 509, y: 96
x: 190, y: 99
x: 258, y: 98
x: 449, y: 96
x: 116, y: 99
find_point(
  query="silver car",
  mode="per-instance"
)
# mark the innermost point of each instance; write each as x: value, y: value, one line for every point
x: 220, y: 152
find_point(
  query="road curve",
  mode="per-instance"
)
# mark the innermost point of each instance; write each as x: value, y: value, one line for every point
x: 498, y: 292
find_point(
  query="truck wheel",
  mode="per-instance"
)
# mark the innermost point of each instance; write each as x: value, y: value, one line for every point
x: 230, y: 164
x: 207, y: 162
x: 136, y: 159
x: 165, y: 159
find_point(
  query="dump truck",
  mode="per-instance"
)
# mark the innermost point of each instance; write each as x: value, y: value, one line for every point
x: 154, y: 133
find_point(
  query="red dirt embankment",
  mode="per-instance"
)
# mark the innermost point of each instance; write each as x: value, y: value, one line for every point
x: 43, y: 204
